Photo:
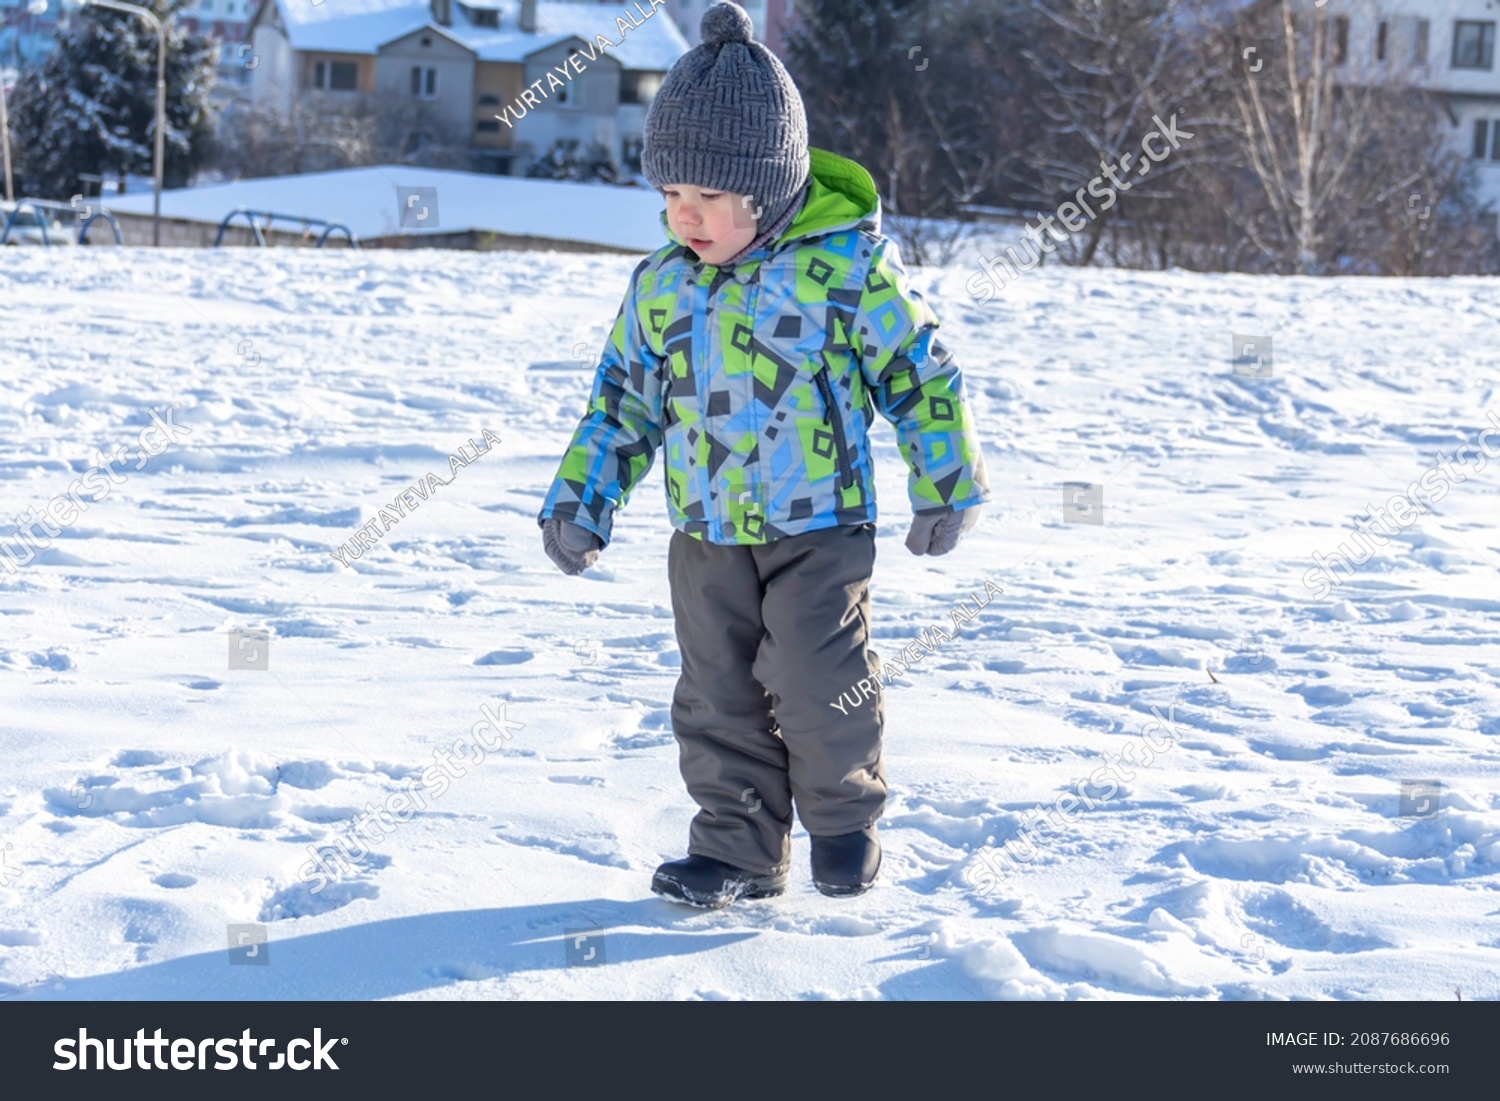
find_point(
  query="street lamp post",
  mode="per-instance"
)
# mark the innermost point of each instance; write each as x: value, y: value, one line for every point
x: 10, y: 184
x: 36, y: 7
x: 161, y: 99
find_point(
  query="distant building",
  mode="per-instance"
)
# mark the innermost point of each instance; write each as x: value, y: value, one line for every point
x: 1446, y: 46
x: 25, y: 37
x: 229, y: 22
x: 771, y: 18
x: 477, y: 71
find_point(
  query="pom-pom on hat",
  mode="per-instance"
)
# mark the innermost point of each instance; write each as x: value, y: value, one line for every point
x: 728, y: 118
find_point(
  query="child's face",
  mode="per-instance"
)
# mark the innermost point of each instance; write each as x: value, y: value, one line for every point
x: 715, y: 224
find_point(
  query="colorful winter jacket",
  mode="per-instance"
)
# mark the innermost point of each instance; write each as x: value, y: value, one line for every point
x: 761, y: 380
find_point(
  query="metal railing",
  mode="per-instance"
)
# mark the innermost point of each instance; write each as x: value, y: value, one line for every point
x: 40, y: 206
x: 270, y: 216
x: 37, y: 206
x: 114, y: 225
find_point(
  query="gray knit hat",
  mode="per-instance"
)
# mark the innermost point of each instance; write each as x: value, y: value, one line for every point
x: 729, y: 118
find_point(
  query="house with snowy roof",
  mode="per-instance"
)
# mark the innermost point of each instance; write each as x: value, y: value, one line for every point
x: 510, y: 79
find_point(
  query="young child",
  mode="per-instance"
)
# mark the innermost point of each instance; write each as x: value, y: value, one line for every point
x: 756, y: 347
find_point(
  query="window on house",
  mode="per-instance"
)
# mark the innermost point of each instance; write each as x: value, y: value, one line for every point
x: 1487, y: 139
x: 638, y: 87
x: 1380, y: 40
x: 1473, y: 45
x: 336, y: 76
x: 1419, y: 47
x: 423, y: 82
x: 484, y: 18
x: 1340, y: 39
x: 487, y: 125
x: 489, y: 101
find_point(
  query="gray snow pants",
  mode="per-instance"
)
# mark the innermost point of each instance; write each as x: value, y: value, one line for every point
x: 770, y: 636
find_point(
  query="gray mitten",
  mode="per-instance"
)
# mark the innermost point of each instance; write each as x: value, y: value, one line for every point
x: 938, y: 532
x: 573, y: 548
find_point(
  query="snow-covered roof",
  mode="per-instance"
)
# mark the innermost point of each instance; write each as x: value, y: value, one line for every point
x: 364, y: 26
x: 365, y: 200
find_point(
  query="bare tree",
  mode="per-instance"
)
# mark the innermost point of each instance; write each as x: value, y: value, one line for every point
x: 922, y: 93
x: 1302, y: 131
x: 265, y: 140
x: 956, y: 127
x: 1337, y: 166
x: 1103, y: 69
x: 1428, y: 221
x: 1301, y: 159
x: 317, y: 135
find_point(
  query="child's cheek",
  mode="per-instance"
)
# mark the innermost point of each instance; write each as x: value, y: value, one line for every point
x: 737, y: 234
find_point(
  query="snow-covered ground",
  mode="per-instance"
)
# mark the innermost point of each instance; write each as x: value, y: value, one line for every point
x: 151, y: 797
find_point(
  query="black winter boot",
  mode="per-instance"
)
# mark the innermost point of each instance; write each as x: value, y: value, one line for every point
x: 846, y: 864
x: 709, y: 883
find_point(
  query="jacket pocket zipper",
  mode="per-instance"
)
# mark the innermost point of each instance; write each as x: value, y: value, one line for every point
x: 836, y: 423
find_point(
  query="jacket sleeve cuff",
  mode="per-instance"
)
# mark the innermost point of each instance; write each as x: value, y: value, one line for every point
x: 572, y: 514
x: 979, y: 490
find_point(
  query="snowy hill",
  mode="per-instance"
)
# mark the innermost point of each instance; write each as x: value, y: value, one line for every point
x: 369, y: 202
x: 157, y: 805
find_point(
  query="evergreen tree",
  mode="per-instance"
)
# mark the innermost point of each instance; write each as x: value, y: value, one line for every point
x: 89, y: 106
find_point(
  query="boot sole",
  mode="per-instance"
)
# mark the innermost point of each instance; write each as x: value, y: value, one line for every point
x: 675, y: 890
x: 849, y: 890
x: 835, y: 890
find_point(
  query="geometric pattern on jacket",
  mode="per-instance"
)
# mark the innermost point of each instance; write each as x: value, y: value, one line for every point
x: 759, y: 383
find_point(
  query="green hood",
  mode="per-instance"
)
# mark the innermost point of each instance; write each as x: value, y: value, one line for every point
x: 841, y: 195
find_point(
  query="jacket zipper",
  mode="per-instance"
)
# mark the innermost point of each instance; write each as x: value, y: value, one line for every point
x: 835, y: 422
x: 721, y: 513
x: 701, y: 356
x: 752, y: 295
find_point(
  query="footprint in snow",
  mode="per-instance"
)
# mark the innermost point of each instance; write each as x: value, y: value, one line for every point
x: 602, y: 850
x: 505, y: 657
x: 1277, y: 917
x: 137, y: 758
x: 298, y: 900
